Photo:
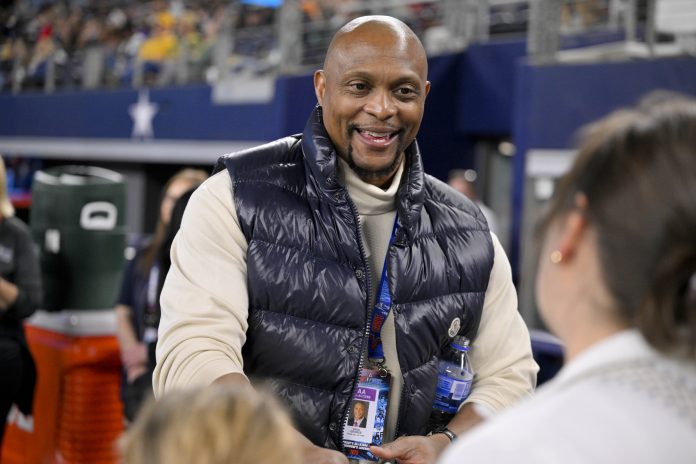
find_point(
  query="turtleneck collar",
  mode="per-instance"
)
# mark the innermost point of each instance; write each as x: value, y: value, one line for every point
x: 321, y: 157
x: 368, y: 198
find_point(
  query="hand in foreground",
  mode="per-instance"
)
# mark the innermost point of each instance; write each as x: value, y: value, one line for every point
x: 413, y: 450
x: 317, y: 455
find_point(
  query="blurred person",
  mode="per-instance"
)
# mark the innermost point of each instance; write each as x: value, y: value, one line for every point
x: 91, y: 51
x: 137, y: 307
x: 7, y: 61
x: 117, y: 56
x: 20, y: 296
x: 42, y: 52
x: 192, y: 48
x: 210, y: 26
x: 463, y: 181
x: 68, y: 27
x: 163, y: 252
x: 276, y: 267
x: 159, y: 50
x: 214, y: 425
x: 617, y: 284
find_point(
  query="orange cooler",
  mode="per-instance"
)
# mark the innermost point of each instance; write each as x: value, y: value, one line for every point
x: 77, y: 405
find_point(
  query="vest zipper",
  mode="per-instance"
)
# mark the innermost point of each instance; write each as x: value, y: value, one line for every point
x: 368, y: 291
x: 402, y: 402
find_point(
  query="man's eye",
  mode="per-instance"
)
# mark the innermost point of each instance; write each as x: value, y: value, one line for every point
x: 406, y: 91
x: 359, y: 86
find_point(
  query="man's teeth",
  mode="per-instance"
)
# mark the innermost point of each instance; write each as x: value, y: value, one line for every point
x: 377, y: 135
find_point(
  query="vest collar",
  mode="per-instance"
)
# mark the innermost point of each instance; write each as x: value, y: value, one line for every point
x: 320, y: 156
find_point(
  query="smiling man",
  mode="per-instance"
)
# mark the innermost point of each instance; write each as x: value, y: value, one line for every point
x: 277, y: 271
x: 372, y: 91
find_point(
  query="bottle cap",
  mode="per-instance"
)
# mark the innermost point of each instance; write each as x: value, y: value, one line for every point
x: 461, y: 343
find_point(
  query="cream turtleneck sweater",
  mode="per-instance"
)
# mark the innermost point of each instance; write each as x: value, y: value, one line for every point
x: 205, y: 302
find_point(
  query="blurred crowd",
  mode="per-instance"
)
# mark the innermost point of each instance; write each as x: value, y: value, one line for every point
x: 90, y: 44
x: 85, y: 44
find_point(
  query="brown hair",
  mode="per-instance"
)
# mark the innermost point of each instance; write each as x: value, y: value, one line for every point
x: 637, y: 168
x: 196, y: 177
x: 211, y: 425
x: 6, y: 208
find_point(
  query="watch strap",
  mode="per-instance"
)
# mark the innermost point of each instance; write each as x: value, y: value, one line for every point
x: 445, y: 431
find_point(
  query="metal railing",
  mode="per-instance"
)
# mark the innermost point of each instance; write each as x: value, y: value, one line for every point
x: 641, y: 28
x: 444, y: 26
x: 288, y: 40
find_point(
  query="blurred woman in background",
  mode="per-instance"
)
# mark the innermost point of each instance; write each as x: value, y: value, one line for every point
x: 137, y: 309
x: 20, y: 295
x: 163, y: 257
x: 617, y: 283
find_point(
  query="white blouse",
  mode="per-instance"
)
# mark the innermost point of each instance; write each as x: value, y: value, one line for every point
x: 620, y: 401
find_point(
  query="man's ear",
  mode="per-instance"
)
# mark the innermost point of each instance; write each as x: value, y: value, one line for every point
x: 319, y: 85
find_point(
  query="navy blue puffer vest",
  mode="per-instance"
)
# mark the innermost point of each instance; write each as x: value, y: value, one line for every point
x: 308, y: 279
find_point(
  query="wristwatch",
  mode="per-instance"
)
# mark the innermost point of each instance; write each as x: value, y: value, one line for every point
x: 445, y: 431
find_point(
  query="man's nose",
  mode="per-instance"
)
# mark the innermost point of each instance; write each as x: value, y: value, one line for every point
x: 381, y: 105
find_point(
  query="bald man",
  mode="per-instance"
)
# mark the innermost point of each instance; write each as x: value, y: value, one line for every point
x: 276, y: 268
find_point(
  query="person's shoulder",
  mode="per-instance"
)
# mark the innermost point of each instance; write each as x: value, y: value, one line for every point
x: 135, y: 257
x: 141, y: 247
x: 261, y: 156
x: 215, y: 183
x: 16, y: 226
x: 216, y: 189
x: 16, y: 223
x: 439, y: 191
x: 513, y: 433
x: 211, y: 203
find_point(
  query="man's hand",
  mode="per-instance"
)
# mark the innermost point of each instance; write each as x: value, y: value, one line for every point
x: 425, y: 450
x: 413, y: 450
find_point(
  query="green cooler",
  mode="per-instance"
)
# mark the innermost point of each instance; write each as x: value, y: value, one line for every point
x: 77, y: 218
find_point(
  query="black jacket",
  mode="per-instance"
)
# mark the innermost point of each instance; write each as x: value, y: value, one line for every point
x: 308, y: 278
x: 19, y: 264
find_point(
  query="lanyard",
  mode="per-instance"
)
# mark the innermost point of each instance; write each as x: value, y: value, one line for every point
x: 375, y: 351
x: 151, y: 314
x: 152, y: 283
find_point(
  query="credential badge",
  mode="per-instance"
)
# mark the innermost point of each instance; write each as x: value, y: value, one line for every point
x: 454, y: 327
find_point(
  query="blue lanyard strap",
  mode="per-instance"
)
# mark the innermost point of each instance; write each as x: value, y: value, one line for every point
x: 375, y: 351
x: 152, y: 284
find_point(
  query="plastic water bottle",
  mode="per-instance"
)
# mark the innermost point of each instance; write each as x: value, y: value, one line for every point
x: 453, y: 384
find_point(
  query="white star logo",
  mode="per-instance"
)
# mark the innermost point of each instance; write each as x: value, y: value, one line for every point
x: 143, y: 112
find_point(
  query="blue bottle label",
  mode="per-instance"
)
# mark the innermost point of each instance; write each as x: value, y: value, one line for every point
x: 450, y: 393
